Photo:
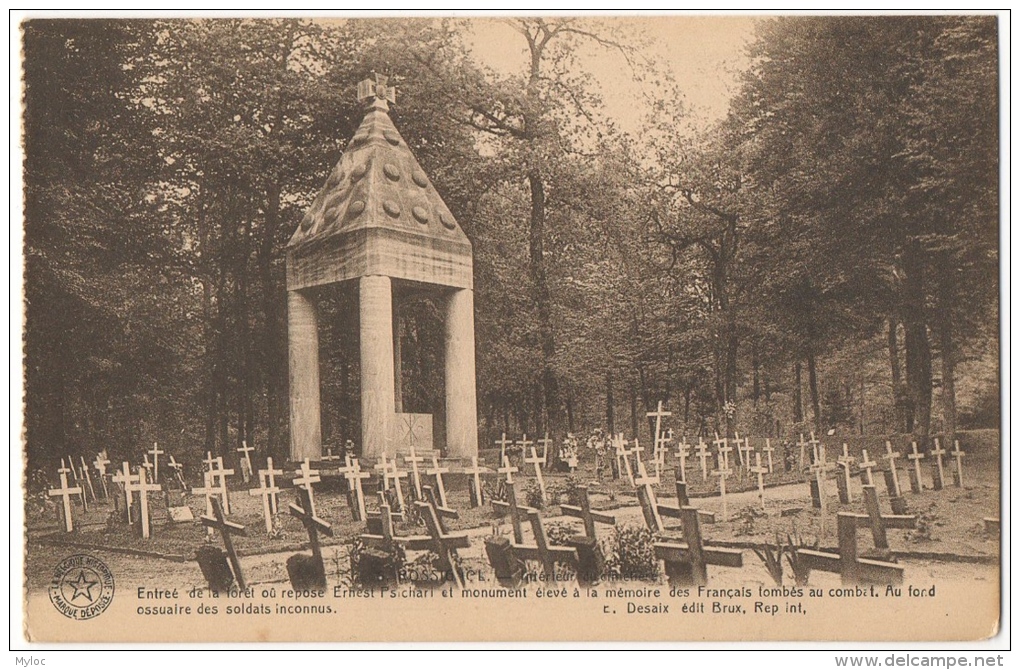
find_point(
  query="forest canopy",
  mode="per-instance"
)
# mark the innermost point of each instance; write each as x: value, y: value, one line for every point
x: 825, y: 256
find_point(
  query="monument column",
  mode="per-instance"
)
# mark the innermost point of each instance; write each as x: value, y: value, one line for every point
x: 303, y: 351
x: 461, y: 406
x: 377, y: 387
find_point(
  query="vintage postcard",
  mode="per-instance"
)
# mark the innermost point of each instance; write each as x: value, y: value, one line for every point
x: 498, y: 329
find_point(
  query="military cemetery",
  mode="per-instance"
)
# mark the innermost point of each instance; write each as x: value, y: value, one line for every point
x: 397, y: 369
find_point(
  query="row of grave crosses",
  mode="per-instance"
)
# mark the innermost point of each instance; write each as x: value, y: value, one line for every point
x: 820, y: 468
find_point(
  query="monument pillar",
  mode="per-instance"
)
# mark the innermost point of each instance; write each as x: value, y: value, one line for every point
x: 377, y: 374
x: 461, y: 404
x: 303, y: 352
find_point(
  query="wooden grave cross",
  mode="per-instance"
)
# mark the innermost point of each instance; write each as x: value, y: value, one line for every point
x: 354, y: 474
x: 438, y: 473
x: 958, y: 455
x: 818, y: 470
x: 816, y: 446
x: 703, y: 457
x: 155, y: 452
x: 178, y: 469
x: 768, y: 449
x: 624, y: 454
x: 747, y: 450
x: 760, y: 470
x: 891, y: 456
x: 268, y: 492
x: 866, y: 465
x: 304, y: 478
x: 477, y: 499
x: 879, y: 522
x: 209, y: 461
x: 396, y: 474
x: 738, y: 445
x: 511, y: 508
x: 585, y: 513
x: 125, y: 478
x: 545, y: 442
x: 536, y: 460
x: 851, y: 568
x: 246, y: 468
x: 659, y: 444
x: 218, y: 472
x: 78, y: 480
x: 682, y: 451
x: 313, y: 524
x: 938, y: 452
x: 100, y: 465
x: 143, y: 486
x: 723, y: 449
x: 507, y: 469
x: 66, y: 492
x: 503, y: 442
x: 846, y: 461
x: 88, y: 479
x: 646, y: 496
x: 270, y: 474
x: 414, y: 459
x: 524, y: 443
x: 722, y: 472
x: 216, y: 521
x: 542, y: 551
x: 444, y: 544
x: 693, y: 553
x: 383, y: 468
x: 442, y: 511
x: 916, y: 456
x: 208, y: 490
x: 669, y: 511
x: 330, y: 456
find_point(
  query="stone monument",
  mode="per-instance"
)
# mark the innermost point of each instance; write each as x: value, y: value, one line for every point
x: 379, y: 222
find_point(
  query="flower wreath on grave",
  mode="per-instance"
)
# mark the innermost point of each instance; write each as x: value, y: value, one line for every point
x: 630, y: 553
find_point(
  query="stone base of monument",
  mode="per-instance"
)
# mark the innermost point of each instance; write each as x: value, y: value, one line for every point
x: 509, y: 570
x: 306, y: 572
x: 590, y: 561
x: 215, y: 568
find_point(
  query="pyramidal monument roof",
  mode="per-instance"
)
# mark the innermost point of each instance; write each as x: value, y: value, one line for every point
x: 378, y: 213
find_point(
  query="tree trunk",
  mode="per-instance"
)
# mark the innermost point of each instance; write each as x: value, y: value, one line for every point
x: 816, y: 412
x: 610, y: 419
x: 944, y: 326
x: 272, y: 337
x: 755, y: 381
x: 918, y: 354
x: 798, y: 400
x: 543, y: 303
x: 899, y: 393
x: 633, y: 411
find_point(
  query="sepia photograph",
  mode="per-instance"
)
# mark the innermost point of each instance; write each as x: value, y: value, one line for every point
x: 509, y: 329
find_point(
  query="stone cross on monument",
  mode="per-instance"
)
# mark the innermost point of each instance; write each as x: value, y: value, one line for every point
x: 379, y: 227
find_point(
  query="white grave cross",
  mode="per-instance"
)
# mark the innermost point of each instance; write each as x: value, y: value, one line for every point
x: 304, y: 478
x: 66, y: 492
x: 155, y: 452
